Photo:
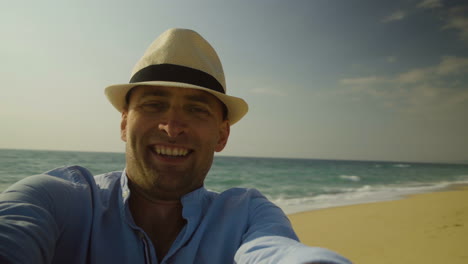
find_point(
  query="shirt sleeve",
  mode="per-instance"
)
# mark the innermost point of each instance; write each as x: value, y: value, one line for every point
x: 271, y: 239
x: 34, y: 214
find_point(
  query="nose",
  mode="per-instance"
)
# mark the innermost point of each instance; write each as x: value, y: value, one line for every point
x: 173, y: 124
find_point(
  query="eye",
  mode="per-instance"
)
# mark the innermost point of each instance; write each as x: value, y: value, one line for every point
x: 153, y: 106
x: 198, y: 109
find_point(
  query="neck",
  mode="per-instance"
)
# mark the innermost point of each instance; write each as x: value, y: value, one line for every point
x: 161, y: 219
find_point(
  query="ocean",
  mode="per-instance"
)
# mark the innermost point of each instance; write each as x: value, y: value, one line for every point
x: 295, y: 185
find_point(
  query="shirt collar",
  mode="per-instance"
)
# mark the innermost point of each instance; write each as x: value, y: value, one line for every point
x: 191, y: 201
x: 124, y: 185
x: 194, y: 206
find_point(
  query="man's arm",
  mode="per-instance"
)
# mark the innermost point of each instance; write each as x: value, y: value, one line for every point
x: 34, y: 213
x: 271, y: 239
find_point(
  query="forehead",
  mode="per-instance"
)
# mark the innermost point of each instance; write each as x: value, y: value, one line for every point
x: 141, y: 92
x: 162, y: 91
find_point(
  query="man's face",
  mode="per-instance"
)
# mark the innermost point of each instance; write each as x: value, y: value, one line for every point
x: 171, y: 135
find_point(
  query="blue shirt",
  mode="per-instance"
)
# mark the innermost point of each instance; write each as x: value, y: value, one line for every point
x: 68, y: 216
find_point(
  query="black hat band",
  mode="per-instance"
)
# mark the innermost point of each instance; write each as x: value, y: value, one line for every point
x: 177, y: 73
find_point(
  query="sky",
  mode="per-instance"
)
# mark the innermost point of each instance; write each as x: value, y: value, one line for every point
x: 324, y: 79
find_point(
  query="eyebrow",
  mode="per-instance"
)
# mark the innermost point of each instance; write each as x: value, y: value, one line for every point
x: 198, y: 98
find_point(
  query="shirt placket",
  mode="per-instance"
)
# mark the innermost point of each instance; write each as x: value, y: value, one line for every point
x: 146, y: 248
x: 149, y: 254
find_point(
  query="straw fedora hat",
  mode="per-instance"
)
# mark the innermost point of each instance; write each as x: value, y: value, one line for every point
x: 180, y: 58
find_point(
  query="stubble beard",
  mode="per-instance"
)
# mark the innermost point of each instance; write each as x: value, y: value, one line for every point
x: 141, y: 173
x: 153, y: 182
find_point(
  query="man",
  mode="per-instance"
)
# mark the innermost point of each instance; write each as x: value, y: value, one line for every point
x: 175, y: 115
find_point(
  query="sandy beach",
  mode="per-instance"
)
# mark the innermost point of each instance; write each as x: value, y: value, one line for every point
x: 422, y: 228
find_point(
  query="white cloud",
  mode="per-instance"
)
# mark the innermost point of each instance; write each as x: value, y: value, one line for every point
x: 413, y: 76
x: 419, y: 90
x: 449, y: 65
x: 458, y: 20
x: 398, y: 15
x: 430, y: 4
x: 452, y: 65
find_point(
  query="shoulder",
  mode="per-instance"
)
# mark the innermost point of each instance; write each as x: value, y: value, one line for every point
x: 54, y: 186
x: 107, y: 180
x: 57, y: 194
x: 249, y: 199
x: 109, y: 185
x: 62, y: 188
x: 75, y: 177
x: 101, y: 187
x: 261, y: 216
x: 72, y: 177
x: 238, y: 194
x: 61, y: 183
x: 42, y: 211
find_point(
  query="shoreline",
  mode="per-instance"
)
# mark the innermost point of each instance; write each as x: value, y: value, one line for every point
x: 427, y: 227
x: 363, y: 195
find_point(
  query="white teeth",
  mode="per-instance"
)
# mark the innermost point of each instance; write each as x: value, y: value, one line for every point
x: 171, y: 151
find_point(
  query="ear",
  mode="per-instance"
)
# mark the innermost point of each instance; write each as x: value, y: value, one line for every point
x: 123, y: 126
x: 224, y: 131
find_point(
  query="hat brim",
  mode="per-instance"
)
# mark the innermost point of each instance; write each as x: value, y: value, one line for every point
x: 237, y: 107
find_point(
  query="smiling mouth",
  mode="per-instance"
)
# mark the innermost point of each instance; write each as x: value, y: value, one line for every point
x: 171, y: 151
